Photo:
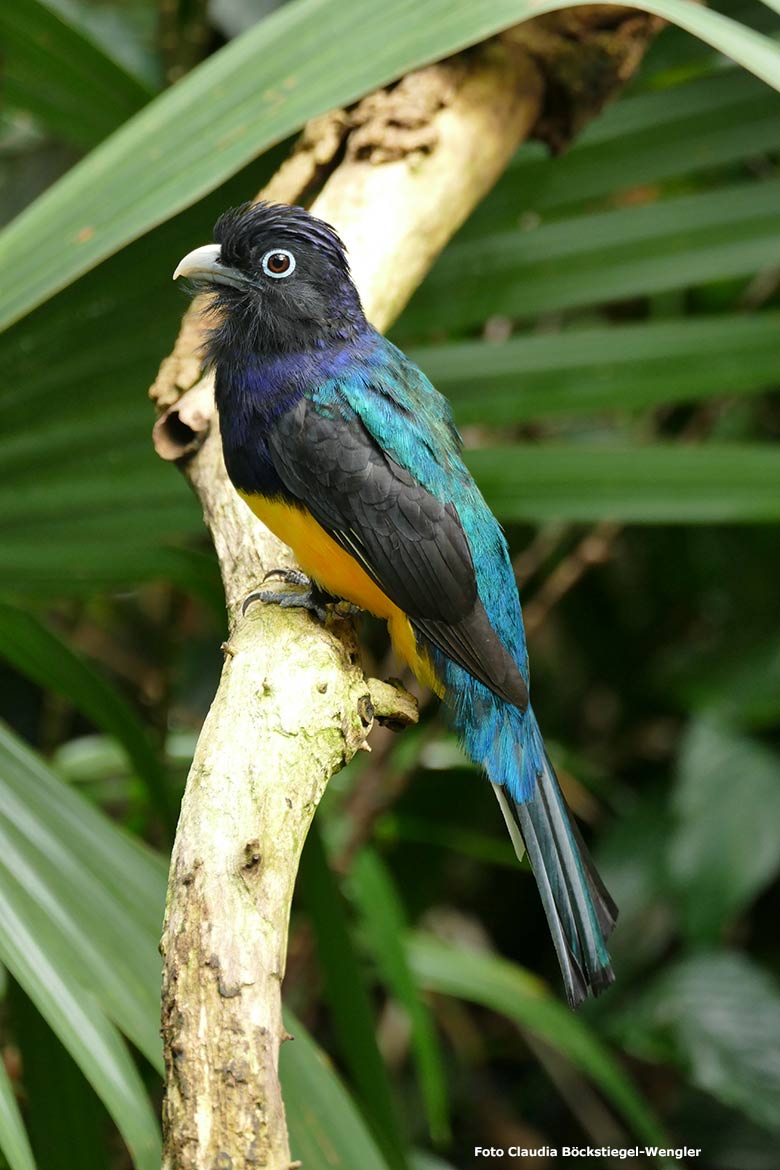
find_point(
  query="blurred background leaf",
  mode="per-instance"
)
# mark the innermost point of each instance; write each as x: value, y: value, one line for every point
x: 606, y: 325
x: 87, y: 93
x: 14, y: 1143
x: 325, y: 1127
x: 35, y: 651
x: 616, y: 370
x: 676, y: 484
x: 719, y: 1016
x: 346, y: 992
x: 725, y: 847
x: 384, y: 924
x: 602, y: 256
x: 487, y: 980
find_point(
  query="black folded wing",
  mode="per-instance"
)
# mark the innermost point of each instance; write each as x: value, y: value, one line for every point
x: 409, y: 542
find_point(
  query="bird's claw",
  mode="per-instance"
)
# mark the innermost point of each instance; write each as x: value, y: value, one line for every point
x: 289, y: 576
x: 307, y: 600
x: 312, y: 598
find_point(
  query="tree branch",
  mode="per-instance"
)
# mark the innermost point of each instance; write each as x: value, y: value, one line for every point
x: 292, y: 705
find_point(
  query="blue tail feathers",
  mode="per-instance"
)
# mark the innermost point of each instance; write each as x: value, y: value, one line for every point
x: 579, y: 910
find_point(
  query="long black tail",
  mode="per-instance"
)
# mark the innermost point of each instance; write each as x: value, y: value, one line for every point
x: 579, y: 910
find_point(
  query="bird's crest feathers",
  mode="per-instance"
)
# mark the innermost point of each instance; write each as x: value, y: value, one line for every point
x: 244, y: 233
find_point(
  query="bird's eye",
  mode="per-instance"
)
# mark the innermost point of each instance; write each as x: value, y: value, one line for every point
x: 278, y: 263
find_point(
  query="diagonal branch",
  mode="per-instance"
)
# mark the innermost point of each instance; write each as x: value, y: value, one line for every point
x: 293, y: 706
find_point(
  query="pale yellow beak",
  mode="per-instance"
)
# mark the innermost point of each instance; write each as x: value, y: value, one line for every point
x: 205, y: 264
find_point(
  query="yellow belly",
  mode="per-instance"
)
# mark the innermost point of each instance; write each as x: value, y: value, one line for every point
x: 336, y: 571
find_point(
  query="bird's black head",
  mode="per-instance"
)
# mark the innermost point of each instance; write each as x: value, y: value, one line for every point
x: 279, y: 279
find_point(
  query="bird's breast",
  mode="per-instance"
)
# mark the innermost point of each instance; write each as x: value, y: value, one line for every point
x: 327, y: 563
x: 318, y: 554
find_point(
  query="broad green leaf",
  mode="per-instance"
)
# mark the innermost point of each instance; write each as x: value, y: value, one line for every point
x: 326, y: 1129
x: 756, y: 52
x: 73, y: 407
x: 92, y: 1041
x: 506, y: 988
x: 720, y: 1013
x: 384, y: 925
x: 321, y: 1116
x: 66, y: 1121
x: 89, y: 493
x: 618, y: 368
x: 674, y: 56
x: 102, y: 522
x: 315, y: 54
x: 712, y: 484
x: 601, y: 257
x: 14, y: 1144
x: 86, y: 935
x: 347, y: 996
x: 57, y: 71
x: 89, y: 933
x: 98, y: 563
x: 83, y: 845
x: 724, y: 847
x: 642, y: 139
x: 38, y: 653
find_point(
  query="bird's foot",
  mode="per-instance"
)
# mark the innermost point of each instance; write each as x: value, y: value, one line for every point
x: 312, y: 598
x: 289, y: 577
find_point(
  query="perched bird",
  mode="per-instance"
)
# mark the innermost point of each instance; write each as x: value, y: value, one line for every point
x: 344, y: 449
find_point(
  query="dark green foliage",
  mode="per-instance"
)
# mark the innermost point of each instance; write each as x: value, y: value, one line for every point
x: 608, y: 327
x: 65, y: 1120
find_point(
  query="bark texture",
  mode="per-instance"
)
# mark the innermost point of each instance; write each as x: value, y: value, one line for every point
x: 396, y: 175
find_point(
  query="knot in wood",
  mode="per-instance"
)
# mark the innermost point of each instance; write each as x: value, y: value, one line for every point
x: 365, y: 709
x: 252, y: 856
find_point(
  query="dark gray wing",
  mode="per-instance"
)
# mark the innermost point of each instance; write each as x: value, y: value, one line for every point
x: 409, y: 542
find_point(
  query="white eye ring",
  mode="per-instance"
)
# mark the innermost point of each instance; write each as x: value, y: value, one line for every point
x: 278, y: 252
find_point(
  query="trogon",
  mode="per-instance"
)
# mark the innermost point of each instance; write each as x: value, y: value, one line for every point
x: 343, y: 448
